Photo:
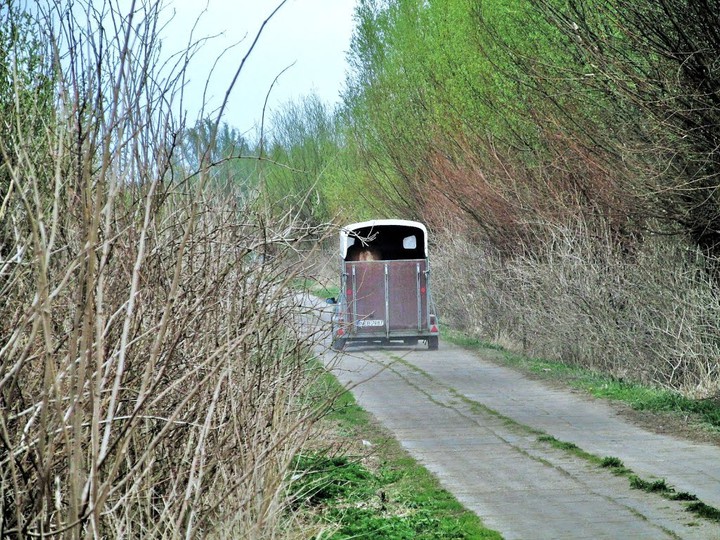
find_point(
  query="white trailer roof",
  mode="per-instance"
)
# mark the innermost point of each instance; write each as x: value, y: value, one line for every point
x: 348, y: 232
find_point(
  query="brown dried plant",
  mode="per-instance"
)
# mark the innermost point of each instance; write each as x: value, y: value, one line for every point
x: 151, y: 368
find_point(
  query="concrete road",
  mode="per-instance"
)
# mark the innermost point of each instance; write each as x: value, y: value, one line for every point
x: 477, y: 426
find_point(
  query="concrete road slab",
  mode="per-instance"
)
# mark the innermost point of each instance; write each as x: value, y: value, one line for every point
x: 475, y: 425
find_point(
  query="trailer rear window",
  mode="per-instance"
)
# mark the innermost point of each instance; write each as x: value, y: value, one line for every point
x: 410, y: 242
x: 387, y: 243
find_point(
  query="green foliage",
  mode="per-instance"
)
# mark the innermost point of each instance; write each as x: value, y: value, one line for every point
x: 571, y: 448
x: 654, y: 63
x: 652, y: 399
x: 366, y: 505
x: 660, y: 487
x: 26, y: 75
x: 559, y: 444
x: 308, y: 164
x: 540, y: 108
x: 651, y: 486
x: 27, y: 83
x: 326, y: 478
x: 703, y: 510
x: 683, y: 496
x: 611, y: 463
x: 346, y: 411
x: 453, y: 123
x: 223, y: 154
x: 317, y: 289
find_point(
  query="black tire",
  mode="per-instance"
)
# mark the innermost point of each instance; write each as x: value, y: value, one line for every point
x: 433, y: 343
x: 338, y: 344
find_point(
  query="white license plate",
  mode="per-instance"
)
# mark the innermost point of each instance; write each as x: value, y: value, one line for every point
x: 370, y: 322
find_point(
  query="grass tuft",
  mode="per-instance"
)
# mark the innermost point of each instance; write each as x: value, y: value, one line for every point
x: 683, y: 496
x: 705, y: 511
x: 655, y: 486
x: 611, y: 463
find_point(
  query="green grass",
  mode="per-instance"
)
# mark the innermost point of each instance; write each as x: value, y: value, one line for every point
x: 613, y: 463
x: 699, y: 508
x: 395, y: 498
x: 315, y: 288
x: 399, y: 500
x: 659, y: 487
x: 703, y: 510
x: 567, y: 447
x: 651, y: 486
x: 642, y: 398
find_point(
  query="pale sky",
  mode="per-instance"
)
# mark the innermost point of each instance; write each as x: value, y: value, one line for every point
x: 315, y: 34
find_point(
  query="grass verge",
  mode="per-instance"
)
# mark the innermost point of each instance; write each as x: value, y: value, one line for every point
x: 316, y: 288
x: 703, y: 412
x: 373, y: 489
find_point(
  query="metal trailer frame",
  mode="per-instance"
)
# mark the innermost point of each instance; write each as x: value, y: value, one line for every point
x: 385, y: 298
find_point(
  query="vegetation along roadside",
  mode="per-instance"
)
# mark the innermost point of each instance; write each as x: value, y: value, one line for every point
x: 362, y: 484
x: 657, y: 408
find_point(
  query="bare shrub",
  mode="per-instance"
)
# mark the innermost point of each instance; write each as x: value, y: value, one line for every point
x: 648, y: 314
x: 468, y: 286
x: 152, y: 376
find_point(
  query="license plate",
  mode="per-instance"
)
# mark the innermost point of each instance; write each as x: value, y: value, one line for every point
x: 370, y: 322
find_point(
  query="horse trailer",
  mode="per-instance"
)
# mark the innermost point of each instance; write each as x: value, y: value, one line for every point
x: 385, y: 295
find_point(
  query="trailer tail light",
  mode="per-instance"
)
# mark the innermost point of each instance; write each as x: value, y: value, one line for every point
x: 340, y: 332
x: 423, y: 290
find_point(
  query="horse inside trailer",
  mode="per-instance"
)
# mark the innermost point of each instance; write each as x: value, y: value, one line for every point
x: 385, y: 294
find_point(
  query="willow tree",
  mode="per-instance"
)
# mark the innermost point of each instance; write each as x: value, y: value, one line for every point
x: 656, y: 63
x: 448, y: 102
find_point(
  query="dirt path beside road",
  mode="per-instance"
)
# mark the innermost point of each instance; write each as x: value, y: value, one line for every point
x: 479, y: 428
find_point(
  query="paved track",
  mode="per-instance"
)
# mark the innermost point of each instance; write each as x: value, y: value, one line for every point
x: 476, y: 426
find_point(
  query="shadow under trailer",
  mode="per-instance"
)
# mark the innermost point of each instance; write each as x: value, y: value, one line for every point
x: 385, y: 295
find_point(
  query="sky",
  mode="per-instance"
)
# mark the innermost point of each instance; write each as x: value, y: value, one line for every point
x: 309, y: 37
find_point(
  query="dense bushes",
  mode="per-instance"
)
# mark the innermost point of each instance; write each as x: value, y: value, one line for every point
x: 651, y: 317
x: 151, y: 370
x: 571, y: 148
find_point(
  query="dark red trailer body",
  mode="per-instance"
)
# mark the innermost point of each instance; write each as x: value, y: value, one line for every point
x: 385, y: 294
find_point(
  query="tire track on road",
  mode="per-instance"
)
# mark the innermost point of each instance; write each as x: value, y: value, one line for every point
x: 497, y: 467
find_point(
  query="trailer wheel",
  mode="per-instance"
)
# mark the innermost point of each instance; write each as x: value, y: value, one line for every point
x: 338, y: 344
x: 433, y: 343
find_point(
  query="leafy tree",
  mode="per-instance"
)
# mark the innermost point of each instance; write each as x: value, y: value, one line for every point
x: 480, y: 112
x: 442, y: 110
x: 230, y: 160
x: 305, y: 154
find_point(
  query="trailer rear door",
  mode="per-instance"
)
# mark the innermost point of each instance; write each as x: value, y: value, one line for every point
x: 387, y: 298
